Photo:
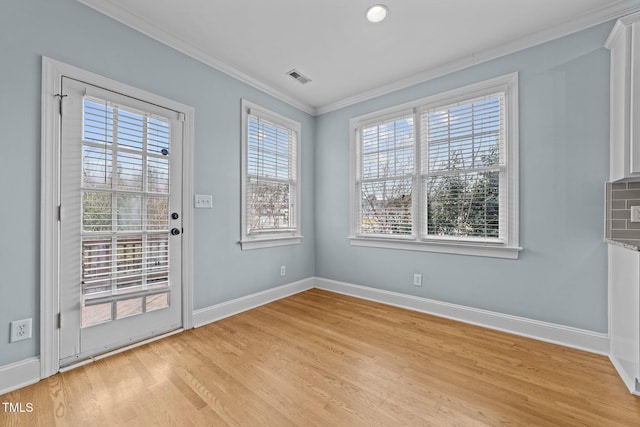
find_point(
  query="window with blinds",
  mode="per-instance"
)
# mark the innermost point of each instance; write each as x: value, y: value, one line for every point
x: 385, y: 176
x: 125, y: 212
x: 271, y: 190
x: 440, y: 173
x: 463, y: 164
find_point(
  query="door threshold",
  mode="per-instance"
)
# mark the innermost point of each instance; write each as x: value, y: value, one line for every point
x: 118, y: 350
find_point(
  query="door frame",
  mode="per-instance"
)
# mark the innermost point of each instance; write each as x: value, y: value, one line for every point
x: 52, y: 72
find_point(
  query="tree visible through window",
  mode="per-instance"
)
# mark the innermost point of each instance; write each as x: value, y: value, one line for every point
x: 464, y: 160
x: 271, y: 164
x: 387, y: 174
x: 270, y: 175
x: 442, y: 169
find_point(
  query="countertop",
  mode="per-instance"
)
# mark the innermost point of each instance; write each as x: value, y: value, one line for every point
x: 631, y: 244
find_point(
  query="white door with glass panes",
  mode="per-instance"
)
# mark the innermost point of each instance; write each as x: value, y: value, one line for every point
x: 120, y: 221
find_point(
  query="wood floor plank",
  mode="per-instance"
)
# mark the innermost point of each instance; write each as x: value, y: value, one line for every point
x: 324, y: 359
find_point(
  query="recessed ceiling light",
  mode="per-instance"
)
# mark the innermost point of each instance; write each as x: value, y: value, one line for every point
x: 376, y: 13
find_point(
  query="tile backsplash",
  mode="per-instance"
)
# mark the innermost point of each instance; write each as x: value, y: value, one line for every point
x: 620, y: 196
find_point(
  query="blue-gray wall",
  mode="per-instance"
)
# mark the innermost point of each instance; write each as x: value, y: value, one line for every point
x: 561, y: 276
x: 72, y: 33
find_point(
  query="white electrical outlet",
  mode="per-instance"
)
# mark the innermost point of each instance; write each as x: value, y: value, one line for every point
x: 283, y: 270
x: 417, y: 280
x: 635, y: 213
x: 203, y: 201
x: 20, y: 330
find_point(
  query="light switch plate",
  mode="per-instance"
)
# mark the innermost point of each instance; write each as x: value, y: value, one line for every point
x: 204, y: 201
x: 635, y: 213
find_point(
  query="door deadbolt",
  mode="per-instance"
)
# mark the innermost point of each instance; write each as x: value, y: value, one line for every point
x: 175, y: 215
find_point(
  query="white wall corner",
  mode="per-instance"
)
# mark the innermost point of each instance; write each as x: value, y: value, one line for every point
x: 220, y: 311
x: 19, y: 374
x: 580, y: 339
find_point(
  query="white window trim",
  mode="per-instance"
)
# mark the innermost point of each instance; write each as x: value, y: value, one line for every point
x: 267, y: 240
x: 508, y: 249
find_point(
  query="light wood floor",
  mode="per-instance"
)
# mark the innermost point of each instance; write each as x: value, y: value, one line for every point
x: 319, y: 358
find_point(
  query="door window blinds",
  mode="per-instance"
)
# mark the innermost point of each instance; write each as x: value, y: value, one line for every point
x: 125, y: 208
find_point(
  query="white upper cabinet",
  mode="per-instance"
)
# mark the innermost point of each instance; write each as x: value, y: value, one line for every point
x: 624, y: 43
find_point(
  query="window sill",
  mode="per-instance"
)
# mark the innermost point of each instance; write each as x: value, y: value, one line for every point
x: 268, y: 242
x: 459, y: 248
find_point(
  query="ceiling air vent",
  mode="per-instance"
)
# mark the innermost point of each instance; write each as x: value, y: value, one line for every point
x: 298, y: 76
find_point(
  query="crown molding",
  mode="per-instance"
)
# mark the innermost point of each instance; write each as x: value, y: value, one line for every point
x: 147, y: 28
x: 580, y: 22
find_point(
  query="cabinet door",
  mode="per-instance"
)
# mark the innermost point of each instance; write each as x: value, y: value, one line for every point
x: 624, y: 313
x: 634, y: 136
x: 619, y: 106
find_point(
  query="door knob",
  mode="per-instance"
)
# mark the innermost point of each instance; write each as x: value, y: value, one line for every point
x: 175, y: 231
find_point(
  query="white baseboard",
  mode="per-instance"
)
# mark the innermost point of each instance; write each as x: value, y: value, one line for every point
x: 627, y: 377
x: 229, y: 308
x: 19, y: 374
x: 557, y: 334
x: 27, y: 372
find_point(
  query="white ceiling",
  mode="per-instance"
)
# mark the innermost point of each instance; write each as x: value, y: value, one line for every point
x: 347, y: 58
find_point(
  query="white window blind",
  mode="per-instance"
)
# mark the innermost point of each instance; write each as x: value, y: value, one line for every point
x: 271, y: 175
x: 385, y: 176
x: 463, y: 166
x: 440, y: 174
x: 125, y: 204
